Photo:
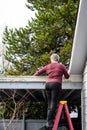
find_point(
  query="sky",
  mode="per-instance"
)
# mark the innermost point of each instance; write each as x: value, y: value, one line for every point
x: 14, y: 14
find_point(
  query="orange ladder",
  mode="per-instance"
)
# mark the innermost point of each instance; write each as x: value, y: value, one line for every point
x: 58, y: 115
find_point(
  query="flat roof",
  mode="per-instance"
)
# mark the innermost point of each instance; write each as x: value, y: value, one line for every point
x: 37, y: 82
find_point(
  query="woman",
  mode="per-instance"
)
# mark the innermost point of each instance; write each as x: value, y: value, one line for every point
x: 55, y: 72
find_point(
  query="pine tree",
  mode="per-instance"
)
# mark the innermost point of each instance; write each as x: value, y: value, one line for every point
x: 52, y: 30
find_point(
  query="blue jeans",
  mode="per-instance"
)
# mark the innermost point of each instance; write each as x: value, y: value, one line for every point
x: 52, y: 91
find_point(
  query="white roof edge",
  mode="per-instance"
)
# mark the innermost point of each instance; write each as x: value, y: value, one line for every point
x: 79, y: 49
x: 37, y: 82
x: 73, y: 78
x: 74, y: 41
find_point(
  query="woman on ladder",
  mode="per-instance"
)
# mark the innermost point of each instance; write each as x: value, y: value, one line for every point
x: 55, y: 72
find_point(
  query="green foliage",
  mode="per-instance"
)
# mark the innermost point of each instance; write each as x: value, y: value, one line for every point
x: 63, y: 52
x: 18, y: 51
x: 52, y: 30
x: 33, y: 110
x: 2, y: 109
x: 36, y: 110
x: 54, y: 26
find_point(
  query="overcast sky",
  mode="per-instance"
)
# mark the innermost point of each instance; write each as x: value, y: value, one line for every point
x: 14, y: 13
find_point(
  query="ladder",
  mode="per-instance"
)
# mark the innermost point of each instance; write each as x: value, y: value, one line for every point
x: 58, y: 115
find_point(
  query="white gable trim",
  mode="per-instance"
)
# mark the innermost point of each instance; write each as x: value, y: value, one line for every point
x: 79, y: 50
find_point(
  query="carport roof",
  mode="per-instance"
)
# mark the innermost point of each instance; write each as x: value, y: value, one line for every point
x: 33, y: 88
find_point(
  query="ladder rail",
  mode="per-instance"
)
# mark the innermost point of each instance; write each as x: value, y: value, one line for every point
x: 57, y: 119
x: 68, y: 117
x: 58, y: 115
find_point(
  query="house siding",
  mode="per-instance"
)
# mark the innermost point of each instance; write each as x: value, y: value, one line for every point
x: 84, y: 99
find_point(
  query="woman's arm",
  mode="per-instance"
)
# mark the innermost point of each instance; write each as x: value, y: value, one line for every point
x: 41, y: 71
